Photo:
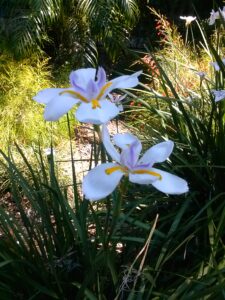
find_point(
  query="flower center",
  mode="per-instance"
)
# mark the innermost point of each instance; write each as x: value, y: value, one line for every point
x: 95, y: 103
x: 125, y: 170
x: 103, y: 89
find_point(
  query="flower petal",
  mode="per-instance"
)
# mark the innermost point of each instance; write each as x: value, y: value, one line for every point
x: 44, y: 96
x: 169, y: 183
x: 101, y: 77
x: 125, y: 81
x: 130, y: 154
x: 142, y: 178
x: 111, y: 150
x: 98, y: 185
x: 157, y: 153
x: 123, y: 140
x: 59, y: 106
x: 85, y: 112
x: 79, y: 79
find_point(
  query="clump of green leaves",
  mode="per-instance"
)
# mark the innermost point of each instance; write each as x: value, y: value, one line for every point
x: 178, y: 103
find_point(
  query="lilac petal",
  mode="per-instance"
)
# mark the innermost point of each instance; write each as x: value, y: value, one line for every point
x: 79, y: 79
x: 98, y: 185
x: 130, y: 155
x: 101, y: 77
x: 92, y: 89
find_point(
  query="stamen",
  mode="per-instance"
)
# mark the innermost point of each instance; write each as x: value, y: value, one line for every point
x: 95, y: 104
x: 147, y: 172
x: 77, y: 95
x: 103, y: 89
x: 116, y: 168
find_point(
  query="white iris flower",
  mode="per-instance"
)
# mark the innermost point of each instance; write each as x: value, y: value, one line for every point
x: 103, y: 179
x: 219, y: 95
x: 215, y: 15
x: 90, y: 90
x: 188, y: 19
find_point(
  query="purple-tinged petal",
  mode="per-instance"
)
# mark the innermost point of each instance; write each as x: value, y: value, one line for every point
x: 101, y: 77
x: 92, y: 90
x: 130, y: 155
x: 79, y: 79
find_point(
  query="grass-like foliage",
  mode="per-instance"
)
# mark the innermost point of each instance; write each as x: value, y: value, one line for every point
x: 179, y: 103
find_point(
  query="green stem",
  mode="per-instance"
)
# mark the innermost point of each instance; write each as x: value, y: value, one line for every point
x: 76, y: 197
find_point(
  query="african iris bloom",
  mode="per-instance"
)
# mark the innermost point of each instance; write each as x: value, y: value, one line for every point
x: 90, y: 90
x: 188, y: 19
x: 103, y: 179
x: 219, y: 95
x: 215, y: 15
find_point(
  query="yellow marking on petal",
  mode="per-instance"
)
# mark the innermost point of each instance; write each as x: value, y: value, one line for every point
x: 77, y: 95
x: 142, y: 171
x: 103, y: 89
x: 116, y: 168
x: 95, y: 104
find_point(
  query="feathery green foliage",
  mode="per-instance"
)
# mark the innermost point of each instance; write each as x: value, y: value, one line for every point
x: 21, y: 118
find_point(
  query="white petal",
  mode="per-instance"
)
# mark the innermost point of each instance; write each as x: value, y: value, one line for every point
x: 170, y: 184
x: 46, y: 95
x: 157, y: 153
x: 85, y: 112
x: 97, y: 184
x: 59, y: 106
x: 142, y: 178
x: 125, y: 81
x: 80, y: 78
x: 111, y: 150
x: 123, y: 140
